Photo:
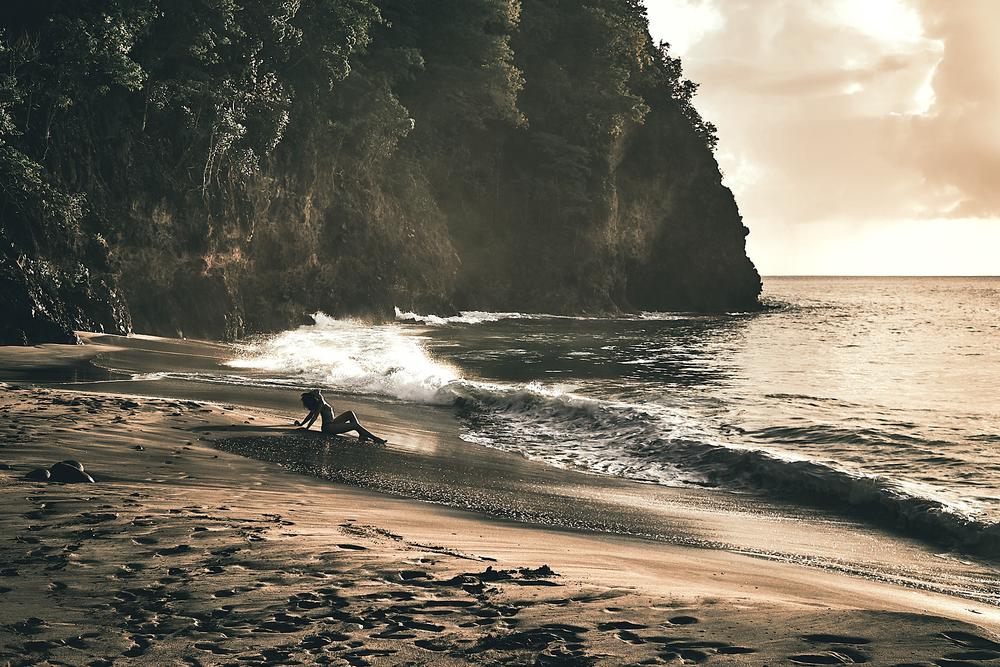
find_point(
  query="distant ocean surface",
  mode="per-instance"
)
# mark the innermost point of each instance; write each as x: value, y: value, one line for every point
x: 880, y: 396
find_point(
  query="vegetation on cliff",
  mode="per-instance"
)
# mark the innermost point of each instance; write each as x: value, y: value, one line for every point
x: 216, y: 167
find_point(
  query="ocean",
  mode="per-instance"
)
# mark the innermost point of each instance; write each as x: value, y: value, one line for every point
x: 878, y: 397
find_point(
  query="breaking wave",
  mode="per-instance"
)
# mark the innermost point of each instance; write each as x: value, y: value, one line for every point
x: 465, y: 317
x: 484, y: 317
x: 644, y: 442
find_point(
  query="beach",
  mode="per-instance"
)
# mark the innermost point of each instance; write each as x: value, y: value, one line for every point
x: 186, y: 552
x: 499, y: 332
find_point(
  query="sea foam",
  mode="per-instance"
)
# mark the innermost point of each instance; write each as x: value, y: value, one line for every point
x: 465, y: 317
x: 644, y: 442
x: 352, y: 357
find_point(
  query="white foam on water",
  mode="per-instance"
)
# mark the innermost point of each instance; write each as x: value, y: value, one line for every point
x: 352, y: 357
x: 484, y: 317
x: 466, y: 317
x: 557, y: 425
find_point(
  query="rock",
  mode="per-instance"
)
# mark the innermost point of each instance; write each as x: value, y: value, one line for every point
x: 6, y: 466
x: 38, y: 475
x: 138, y: 448
x: 128, y: 405
x: 67, y: 474
x: 72, y: 464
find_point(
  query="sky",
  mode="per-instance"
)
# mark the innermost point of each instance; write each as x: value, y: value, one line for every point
x: 860, y: 137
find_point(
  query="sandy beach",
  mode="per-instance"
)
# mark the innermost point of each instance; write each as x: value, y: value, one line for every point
x: 500, y: 332
x: 185, y: 551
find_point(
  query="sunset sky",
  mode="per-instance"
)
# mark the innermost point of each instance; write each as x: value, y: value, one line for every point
x: 859, y: 136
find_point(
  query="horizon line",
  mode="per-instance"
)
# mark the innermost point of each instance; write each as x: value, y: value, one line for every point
x: 879, y: 275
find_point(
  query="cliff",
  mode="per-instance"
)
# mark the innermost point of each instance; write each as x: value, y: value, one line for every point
x: 208, y: 169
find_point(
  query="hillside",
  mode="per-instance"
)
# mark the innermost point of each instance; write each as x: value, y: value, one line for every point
x: 217, y: 169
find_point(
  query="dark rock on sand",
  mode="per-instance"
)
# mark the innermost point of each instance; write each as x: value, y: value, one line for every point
x: 128, y: 405
x: 64, y: 473
x: 72, y: 464
x: 38, y: 475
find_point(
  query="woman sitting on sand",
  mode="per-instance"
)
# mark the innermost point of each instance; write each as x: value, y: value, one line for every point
x: 342, y: 423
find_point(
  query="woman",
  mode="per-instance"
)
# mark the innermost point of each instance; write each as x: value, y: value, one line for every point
x: 342, y: 423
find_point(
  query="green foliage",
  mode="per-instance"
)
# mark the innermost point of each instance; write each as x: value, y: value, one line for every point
x: 384, y: 152
x: 667, y: 77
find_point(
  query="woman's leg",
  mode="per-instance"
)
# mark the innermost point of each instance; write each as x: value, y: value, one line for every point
x: 342, y: 425
x: 346, y: 417
x: 337, y: 428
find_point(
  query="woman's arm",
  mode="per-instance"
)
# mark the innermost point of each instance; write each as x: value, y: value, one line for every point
x: 308, y: 420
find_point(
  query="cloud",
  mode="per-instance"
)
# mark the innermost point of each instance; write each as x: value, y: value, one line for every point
x: 685, y: 22
x: 957, y: 144
x: 848, y: 112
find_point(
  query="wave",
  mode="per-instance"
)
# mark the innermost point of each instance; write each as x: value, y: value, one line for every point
x: 561, y: 427
x: 467, y: 317
x: 351, y: 357
x: 651, y: 444
x: 485, y: 317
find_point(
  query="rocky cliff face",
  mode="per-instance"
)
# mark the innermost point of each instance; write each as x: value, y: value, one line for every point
x: 211, y: 172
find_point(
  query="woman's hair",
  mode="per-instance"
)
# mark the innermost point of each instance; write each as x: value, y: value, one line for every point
x: 311, y: 399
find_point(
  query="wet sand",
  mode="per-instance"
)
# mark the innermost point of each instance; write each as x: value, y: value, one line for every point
x: 186, y: 552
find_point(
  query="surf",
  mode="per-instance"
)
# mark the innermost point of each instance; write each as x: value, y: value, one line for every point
x: 553, y: 424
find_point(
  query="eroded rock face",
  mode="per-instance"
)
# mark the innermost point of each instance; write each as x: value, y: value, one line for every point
x: 456, y: 155
x: 42, y: 302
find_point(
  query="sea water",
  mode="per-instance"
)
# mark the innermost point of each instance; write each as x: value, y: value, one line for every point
x: 880, y: 396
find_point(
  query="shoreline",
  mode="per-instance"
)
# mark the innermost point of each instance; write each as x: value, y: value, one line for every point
x: 184, y: 552
x: 428, y: 460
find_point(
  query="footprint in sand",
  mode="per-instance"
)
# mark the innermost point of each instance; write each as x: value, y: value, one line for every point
x: 630, y: 637
x: 842, y: 652
x: 838, y: 657
x: 835, y: 639
x: 306, y: 601
x: 977, y: 655
x: 682, y: 620
x: 30, y: 626
x: 285, y: 623
x: 173, y: 551
x: 436, y: 645
x: 40, y: 646
x: 969, y: 640
x: 213, y: 648
x: 139, y: 646
x: 620, y: 625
